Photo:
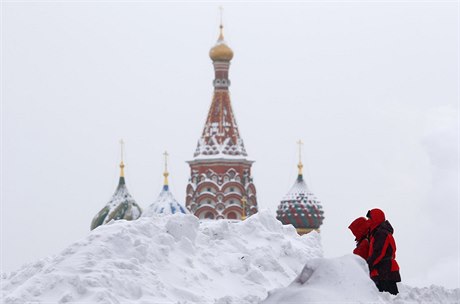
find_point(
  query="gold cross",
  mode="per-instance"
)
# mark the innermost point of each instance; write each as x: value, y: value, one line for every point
x: 221, y: 9
x: 300, y: 143
x: 122, y: 143
x: 122, y: 165
x: 166, y: 160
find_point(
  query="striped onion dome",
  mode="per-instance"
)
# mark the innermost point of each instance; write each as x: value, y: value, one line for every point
x: 300, y: 207
x: 121, y: 206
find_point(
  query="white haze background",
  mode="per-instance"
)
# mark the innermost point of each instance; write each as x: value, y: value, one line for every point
x: 371, y: 88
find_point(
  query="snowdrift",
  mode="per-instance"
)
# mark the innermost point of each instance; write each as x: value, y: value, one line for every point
x: 346, y: 280
x: 171, y: 259
x: 177, y: 259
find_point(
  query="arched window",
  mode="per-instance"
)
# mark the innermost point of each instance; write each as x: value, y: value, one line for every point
x: 209, y: 215
x: 231, y: 216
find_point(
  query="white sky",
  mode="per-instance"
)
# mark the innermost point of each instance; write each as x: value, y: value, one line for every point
x: 371, y: 88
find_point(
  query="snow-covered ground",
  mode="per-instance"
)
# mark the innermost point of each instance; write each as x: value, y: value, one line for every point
x: 177, y: 259
x: 346, y: 280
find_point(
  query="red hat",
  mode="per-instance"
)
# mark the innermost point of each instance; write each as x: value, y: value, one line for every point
x: 360, y: 227
x: 376, y: 217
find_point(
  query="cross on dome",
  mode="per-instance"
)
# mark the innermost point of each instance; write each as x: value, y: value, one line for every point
x: 300, y: 165
x: 122, y: 165
x: 166, y: 173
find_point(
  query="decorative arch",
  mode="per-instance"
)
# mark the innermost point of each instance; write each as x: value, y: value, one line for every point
x: 232, y: 196
x: 232, y: 216
x: 231, y: 172
x: 251, y: 189
x: 202, y: 211
x: 207, y: 184
x: 233, y: 208
x: 234, y: 185
x: 206, y: 197
x: 190, y: 190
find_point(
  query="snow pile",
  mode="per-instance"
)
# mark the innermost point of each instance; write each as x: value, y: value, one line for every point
x: 168, y: 259
x: 177, y: 259
x: 346, y: 280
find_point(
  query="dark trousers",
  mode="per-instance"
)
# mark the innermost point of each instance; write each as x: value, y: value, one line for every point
x: 389, y: 286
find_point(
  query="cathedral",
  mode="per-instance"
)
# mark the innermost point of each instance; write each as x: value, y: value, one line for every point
x: 221, y: 184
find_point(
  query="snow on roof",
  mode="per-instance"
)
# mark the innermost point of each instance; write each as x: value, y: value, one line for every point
x: 121, y: 206
x: 220, y: 134
x: 299, y: 188
x: 300, y: 207
x: 211, y: 148
x: 165, y: 204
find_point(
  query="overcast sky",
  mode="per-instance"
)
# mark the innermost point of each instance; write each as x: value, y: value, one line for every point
x: 371, y: 88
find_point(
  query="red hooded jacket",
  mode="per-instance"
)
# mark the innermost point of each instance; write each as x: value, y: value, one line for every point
x: 360, y: 229
x: 382, y: 249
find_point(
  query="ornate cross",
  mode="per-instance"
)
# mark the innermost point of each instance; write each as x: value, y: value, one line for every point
x: 122, y: 143
x: 300, y: 143
x: 166, y: 160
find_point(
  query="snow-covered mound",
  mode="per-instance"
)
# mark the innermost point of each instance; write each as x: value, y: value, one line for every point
x: 177, y: 259
x: 346, y: 280
x: 171, y: 259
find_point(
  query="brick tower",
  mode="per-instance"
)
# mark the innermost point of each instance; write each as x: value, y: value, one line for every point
x: 220, y: 184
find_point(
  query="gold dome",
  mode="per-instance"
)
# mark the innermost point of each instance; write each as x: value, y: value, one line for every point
x: 221, y: 51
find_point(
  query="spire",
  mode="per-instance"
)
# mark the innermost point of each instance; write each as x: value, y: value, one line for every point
x: 166, y: 173
x: 220, y: 135
x: 122, y: 164
x: 300, y: 165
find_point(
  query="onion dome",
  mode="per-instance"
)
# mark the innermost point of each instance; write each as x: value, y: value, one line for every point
x: 165, y: 204
x: 300, y: 207
x: 221, y: 51
x: 121, y: 206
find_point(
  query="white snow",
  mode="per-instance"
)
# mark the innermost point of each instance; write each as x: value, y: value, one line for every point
x: 346, y: 280
x: 178, y: 259
x: 168, y: 259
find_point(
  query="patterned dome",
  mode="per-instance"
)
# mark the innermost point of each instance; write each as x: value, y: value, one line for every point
x: 301, y: 208
x: 165, y: 204
x: 121, y: 206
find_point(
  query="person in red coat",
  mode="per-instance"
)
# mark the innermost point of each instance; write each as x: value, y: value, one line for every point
x: 384, y: 269
x: 360, y: 229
